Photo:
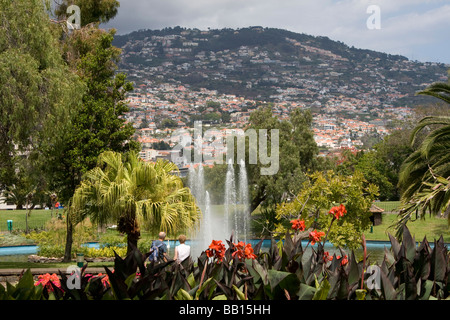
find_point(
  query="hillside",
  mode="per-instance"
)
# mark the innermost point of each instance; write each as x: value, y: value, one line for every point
x: 276, y: 65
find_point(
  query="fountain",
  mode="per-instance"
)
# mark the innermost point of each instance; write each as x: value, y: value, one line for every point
x: 244, y: 212
x: 235, y: 217
x: 209, y: 229
x: 230, y: 200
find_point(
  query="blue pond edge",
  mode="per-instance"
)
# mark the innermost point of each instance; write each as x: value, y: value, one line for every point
x: 33, y: 249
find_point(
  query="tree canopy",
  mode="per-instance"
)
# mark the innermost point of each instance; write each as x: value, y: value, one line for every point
x: 134, y: 194
x: 37, y: 88
x: 323, y: 190
x: 297, y: 155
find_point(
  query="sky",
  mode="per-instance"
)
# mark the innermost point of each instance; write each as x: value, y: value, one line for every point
x: 417, y: 29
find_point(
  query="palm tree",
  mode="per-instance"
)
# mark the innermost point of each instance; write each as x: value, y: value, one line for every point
x: 425, y: 175
x: 134, y: 193
x: 440, y: 90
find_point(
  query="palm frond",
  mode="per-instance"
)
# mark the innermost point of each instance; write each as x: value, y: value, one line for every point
x: 440, y: 90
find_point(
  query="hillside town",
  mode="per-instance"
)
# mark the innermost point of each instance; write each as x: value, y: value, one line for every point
x: 152, y: 104
x: 219, y: 77
x: 278, y: 66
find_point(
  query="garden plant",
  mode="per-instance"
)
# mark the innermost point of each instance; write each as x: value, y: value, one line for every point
x: 238, y: 271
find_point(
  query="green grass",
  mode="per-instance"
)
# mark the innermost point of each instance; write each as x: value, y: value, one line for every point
x: 12, y: 239
x: 432, y: 227
x: 36, y: 220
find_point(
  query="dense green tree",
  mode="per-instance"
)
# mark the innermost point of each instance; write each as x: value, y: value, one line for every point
x: 37, y: 89
x: 91, y: 11
x: 297, y: 155
x: 168, y: 123
x: 135, y: 194
x: 374, y: 170
x: 38, y: 95
x: 381, y: 164
x: 98, y: 124
x: 323, y: 190
x: 161, y: 145
x: 214, y: 182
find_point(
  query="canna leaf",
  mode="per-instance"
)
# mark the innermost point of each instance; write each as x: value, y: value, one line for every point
x: 239, y: 293
x: 183, y: 295
x: 306, y: 292
x: 409, y: 244
x: 322, y: 290
x: 387, y: 287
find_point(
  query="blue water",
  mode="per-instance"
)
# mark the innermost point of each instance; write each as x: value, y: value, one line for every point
x: 375, y: 249
x: 8, y: 251
x: 33, y: 249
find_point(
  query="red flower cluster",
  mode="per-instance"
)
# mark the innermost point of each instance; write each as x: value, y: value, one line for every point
x: 298, y: 225
x: 243, y: 251
x: 105, y: 279
x: 46, y: 279
x: 216, y: 249
x: 338, y: 211
x: 315, y: 236
x: 344, y: 260
x: 327, y: 257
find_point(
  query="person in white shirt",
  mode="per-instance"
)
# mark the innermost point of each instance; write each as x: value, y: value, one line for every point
x: 182, y: 251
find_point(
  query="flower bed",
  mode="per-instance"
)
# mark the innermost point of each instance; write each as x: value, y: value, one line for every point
x: 239, y: 271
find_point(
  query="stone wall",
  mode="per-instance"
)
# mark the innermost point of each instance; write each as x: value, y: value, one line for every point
x: 38, y: 259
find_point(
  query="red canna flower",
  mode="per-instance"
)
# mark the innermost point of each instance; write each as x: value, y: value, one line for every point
x: 315, y: 236
x: 327, y: 257
x: 338, y: 211
x: 298, y: 225
x: 243, y: 251
x: 216, y: 249
x: 209, y: 253
x: 248, y: 251
x: 239, y: 245
x: 239, y: 254
x: 105, y: 281
x: 344, y: 260
x: 47, y: 279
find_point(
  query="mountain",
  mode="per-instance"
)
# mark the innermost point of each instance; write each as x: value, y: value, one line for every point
x: 276, y: 65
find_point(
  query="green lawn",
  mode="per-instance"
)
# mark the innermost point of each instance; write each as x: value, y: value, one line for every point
x: 36, y: 220
x: 432, y: 227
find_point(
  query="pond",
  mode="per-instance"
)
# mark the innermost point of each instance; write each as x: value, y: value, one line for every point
x: 375, y: 249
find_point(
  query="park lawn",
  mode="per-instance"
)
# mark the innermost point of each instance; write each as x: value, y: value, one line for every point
x: 36, y: 220
x: 431, y: 227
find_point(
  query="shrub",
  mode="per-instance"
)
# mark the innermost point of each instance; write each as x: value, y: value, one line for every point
x: 55, y: 251
x: 110, y: 240
x: 56, y: 233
